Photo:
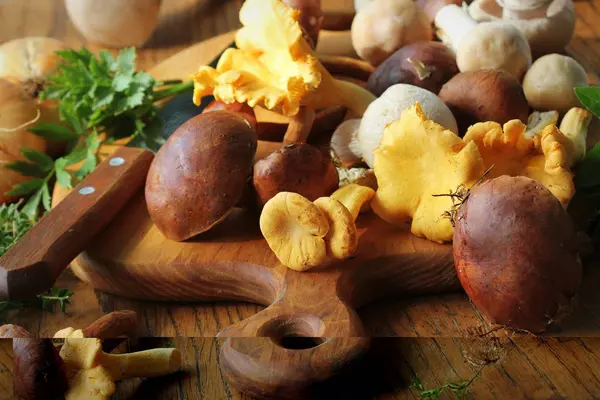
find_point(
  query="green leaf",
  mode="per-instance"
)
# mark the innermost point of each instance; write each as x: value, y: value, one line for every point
x: 69, y: 115
x: 107, y: 59
x: 590, y: 98
x: 126, y: 61
x: 588, y: 171
x: 33, y: 204
x: 64, y: 178
x: 27, y: 169
x: 122, y: 82
x: 53, y: 131
x: 46, y: 199
x: 26, y: 187
x: 42, y: 159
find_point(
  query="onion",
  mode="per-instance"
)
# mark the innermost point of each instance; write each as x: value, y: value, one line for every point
x: 516, y: 253
x: 26, y: 63
x: 17, y: 112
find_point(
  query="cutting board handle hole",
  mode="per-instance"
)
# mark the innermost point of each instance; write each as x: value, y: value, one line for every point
x: 299, y: 342
x: 294, y: 332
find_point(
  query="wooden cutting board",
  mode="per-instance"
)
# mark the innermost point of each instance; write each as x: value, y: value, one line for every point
x: 131, y: 258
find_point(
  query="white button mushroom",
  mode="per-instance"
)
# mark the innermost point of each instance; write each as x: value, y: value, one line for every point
x: 487, y: 45
x: 549, y: 83
x: 495, y: 45
x: 548, y: 25
x: 390, y: 106
x: 383, y: 26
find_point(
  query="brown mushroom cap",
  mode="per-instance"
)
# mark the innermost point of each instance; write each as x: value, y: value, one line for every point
x: 39, y: 372
x: 198, y: 175
x: 425, y: 64
x: 485, y: 95
x: 298, y: 168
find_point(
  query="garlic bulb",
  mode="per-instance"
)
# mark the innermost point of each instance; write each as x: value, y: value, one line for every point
x: 17, y: 112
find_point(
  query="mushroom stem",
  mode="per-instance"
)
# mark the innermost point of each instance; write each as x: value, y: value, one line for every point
x: 147, y: 363
x: 300, y: 126
x: 354, y: 97
x: 575, y: 126
x: 264, y: 148
x: 453, y: 24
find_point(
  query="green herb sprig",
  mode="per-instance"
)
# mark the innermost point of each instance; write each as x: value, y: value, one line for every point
x: 100, y: 99
x: 460, y: 389
x: 55, y: 297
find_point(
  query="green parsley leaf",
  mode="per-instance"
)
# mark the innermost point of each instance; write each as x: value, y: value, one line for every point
x: 26, y: 169
x: 26, y: 187
x: 42, y: 159
x: 33, y: 204
x: 126, y: 61
x: 14, y: 224
x: 53, y: 131
x: 588, y: 170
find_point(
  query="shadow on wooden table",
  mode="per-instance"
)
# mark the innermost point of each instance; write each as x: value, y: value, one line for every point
x: 487, y: 368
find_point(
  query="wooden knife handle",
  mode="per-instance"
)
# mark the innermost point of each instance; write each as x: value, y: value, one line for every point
x: 34, y: 263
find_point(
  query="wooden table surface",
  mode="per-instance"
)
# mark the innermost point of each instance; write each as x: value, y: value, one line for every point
x: 533, y: 368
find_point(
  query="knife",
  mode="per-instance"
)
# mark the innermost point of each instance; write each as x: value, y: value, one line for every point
x: 32, y: 265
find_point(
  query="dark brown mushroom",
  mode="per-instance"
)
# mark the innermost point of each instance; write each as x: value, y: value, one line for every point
x: 198, y: 175
x: 298, y: 168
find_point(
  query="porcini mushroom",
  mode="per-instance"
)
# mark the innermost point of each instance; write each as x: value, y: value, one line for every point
x: 39, y: 373
x: 298, y: 168
x: 383, y: 26
x: 487, y: 45
x: 295, y: 230
x: 389, y: 107
x: 485, y: 95
x: 548, y: 25
x: 549, y: 83
x: 425, y: 64
x: 273, y: 66
x: 86, y: 353
x: 342, y: 238
x: 199, y: 174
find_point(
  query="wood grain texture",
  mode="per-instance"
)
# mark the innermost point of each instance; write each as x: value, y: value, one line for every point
x: 515, y: 368
x: 6, y: 369
x: 32, y: 265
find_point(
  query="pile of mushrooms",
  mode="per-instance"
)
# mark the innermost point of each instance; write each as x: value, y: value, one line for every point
x: 436, y: 121
x: 77, y: 365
